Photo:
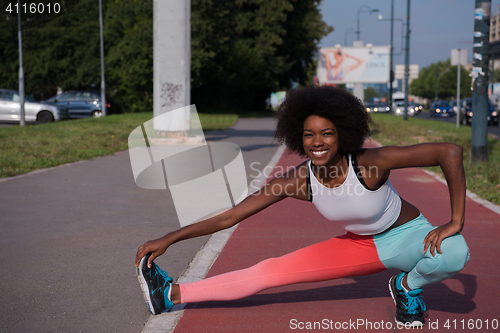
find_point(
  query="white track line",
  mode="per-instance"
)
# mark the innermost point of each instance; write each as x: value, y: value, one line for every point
x: 201, y: 263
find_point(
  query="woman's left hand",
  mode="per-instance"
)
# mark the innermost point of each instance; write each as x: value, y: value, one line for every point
x: 435, y: 237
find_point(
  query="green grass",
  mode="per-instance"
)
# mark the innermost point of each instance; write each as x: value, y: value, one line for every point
x: 28, y: 148
x: 482, y: 179
x: 32, y: 147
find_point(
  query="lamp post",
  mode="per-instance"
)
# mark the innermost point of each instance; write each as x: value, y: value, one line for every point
x: 360, y: 10
x: 392, y: 19
x: 345, y: 35
x: 391, y: 73
x: 438, y: 76
x: 407, y: 59
x: 21, y: 71
x: 103, y: 86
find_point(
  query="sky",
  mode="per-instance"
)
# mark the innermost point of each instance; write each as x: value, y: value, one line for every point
x: 437, y: 26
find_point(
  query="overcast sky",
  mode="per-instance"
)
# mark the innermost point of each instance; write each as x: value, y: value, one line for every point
x: 437, y: 26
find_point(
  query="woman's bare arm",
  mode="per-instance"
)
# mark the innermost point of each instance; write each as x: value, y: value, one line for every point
x: 358, y: 63
x: 288, y: 185
x: 449, y: 157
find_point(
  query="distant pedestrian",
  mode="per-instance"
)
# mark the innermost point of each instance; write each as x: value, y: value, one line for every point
x: 349, y: 185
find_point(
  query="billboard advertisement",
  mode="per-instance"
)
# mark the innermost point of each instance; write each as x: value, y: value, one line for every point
x: 353, y: 64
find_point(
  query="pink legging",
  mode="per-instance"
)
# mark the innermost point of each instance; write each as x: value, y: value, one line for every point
x: 344, y: 256
x: 348, y: 255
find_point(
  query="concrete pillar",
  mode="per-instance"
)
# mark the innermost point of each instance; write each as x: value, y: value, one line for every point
x: 359, y: 88
x: 172, y: 62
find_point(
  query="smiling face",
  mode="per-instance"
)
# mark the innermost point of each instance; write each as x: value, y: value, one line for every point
x: 321, y: 141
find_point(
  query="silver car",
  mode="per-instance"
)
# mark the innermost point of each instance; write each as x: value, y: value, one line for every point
x: 33, y: 111
x: 399, y: 109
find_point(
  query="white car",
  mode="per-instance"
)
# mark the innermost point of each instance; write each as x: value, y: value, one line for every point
x: 399, y: 108
x: 33, y: 111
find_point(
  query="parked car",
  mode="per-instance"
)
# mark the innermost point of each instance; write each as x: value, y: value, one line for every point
x: 80, y: 103
x: 399, y: 109
x: 33, y: 111
x: 492, y: 113
x: 441, y: 109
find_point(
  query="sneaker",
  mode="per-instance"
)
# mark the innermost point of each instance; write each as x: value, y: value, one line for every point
x: 155, y: 285
x: 410, y: 308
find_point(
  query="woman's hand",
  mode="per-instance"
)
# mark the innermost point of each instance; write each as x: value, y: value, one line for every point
x: 156, y: 247
x: 435, y: 237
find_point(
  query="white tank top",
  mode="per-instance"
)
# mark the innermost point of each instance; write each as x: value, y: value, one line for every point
x: 353, y: 206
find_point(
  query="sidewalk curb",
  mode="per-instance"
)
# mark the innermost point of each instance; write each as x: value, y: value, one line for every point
x: 202, y: 262
x: 35, y: 172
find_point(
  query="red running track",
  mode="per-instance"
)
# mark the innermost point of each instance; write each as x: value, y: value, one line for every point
x: 465, y: 302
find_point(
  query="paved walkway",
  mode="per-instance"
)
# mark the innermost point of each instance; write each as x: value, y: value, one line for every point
x: 68, y: 238
x: 467, y: 302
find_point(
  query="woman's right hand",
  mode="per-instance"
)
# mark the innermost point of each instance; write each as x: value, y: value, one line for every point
x: 156, y: 247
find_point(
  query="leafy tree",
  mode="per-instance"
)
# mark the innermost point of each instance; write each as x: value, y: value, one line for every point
x: 243, y: 50
x: 497, y: 75
x: 370, y: 92
x: 425, y: 85
x: 66, y: 52
x: 129, y: 57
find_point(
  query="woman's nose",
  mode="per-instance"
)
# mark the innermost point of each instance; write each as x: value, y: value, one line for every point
x: 318, y: 141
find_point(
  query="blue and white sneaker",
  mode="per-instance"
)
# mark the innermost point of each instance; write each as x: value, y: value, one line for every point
x: 410, y: 308
x: 155, y: 285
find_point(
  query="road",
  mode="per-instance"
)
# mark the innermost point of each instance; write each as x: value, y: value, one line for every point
x: 70, y: 233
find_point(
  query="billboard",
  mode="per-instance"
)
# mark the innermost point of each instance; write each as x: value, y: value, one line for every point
x: 369, y: 64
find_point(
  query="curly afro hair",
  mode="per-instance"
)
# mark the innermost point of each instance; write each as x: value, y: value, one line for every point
x: 344, y: 110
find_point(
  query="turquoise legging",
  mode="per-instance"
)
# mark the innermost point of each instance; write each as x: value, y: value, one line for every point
x: 348, y: 255
x: 402, y: 247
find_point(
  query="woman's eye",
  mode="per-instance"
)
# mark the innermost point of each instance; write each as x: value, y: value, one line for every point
x: 328, y: 133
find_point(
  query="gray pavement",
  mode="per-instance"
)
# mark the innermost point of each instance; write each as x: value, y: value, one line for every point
x: 70, y: 233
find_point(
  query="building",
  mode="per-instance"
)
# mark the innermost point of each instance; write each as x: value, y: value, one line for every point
x: 495, y: 37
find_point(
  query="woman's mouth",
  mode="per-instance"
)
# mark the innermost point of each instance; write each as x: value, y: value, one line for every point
x: 319, y: 153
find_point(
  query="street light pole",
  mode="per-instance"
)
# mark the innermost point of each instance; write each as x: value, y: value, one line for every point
x: 407, y: 58
x: 103, y: 86
x: 391, y: 73
x: 370, y: 11
x: 21, y: 71
x: 436, y: 85
x: 345, y: 35
x: 391, y: 57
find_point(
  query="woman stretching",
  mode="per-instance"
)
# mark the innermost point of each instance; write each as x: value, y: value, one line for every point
x: 349, y: 185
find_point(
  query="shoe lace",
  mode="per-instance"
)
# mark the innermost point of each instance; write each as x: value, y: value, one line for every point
x: 157, y: 271
x: 415, y: 304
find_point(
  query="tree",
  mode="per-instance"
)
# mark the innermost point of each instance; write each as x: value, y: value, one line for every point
x: 244, y: 50
x: 497, y: 75
x: 425, y: 85
x: 370, y: 92
x: 65, y: 52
